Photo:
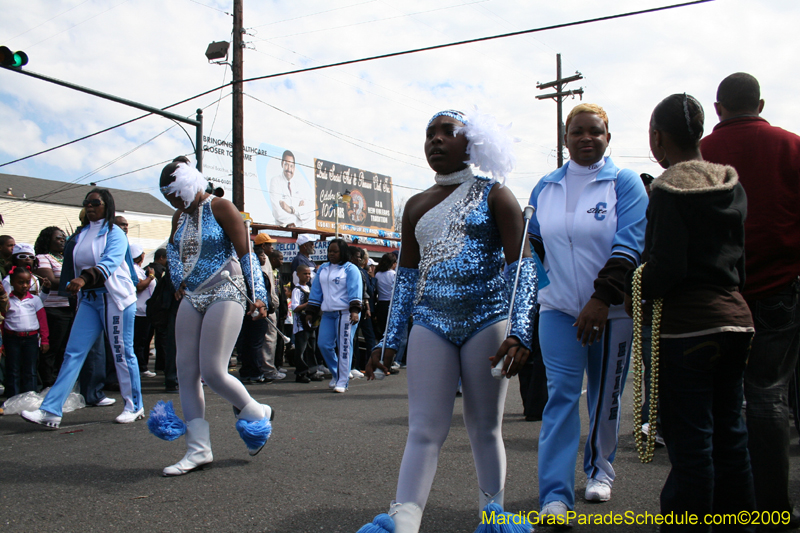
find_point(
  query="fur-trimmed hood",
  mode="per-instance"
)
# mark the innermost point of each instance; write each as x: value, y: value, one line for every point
x: 693, y: 177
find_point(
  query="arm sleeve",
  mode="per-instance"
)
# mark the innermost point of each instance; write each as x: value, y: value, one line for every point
x: 44, y: 330
x: 355, y: 288
x: 315, y: 299
x: 400, y: 310
x: 175, y: 265
x: 254, y: 280
x: 667, y: 264
x: 523, y: 310
x: 534, y: 231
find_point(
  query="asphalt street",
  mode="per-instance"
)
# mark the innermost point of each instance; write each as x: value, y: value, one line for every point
x: 330, y: 466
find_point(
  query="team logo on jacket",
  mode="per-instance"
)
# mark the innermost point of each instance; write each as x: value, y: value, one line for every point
x: 599, y: 210
x: 336, y: 280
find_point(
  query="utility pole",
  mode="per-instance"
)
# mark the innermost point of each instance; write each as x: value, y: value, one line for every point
x: 238, y: 106
x: 559, y: 96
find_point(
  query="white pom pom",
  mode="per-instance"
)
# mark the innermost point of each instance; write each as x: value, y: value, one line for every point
x: 379, y: 374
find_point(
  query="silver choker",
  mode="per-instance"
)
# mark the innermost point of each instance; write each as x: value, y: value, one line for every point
x: 456, y: 178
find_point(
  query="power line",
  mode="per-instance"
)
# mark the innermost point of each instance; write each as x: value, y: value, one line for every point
x: 314, y: 14
x: 382, y: 56
x: 211, y: 7
x: 45, y: 22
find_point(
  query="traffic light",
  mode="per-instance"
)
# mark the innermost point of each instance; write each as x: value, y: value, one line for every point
x: 12, y: 59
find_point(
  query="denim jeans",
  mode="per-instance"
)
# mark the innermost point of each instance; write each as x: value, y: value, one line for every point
x: 22, y: 353
x: 766, y: 387
x: 701, y: 383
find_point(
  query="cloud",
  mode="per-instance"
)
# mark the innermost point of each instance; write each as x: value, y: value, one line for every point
x: 152, y: 51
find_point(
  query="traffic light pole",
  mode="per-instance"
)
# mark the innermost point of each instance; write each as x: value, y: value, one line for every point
x: 196, y: 122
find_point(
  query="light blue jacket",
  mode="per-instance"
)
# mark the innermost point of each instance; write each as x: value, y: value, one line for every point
x: 336, y: 289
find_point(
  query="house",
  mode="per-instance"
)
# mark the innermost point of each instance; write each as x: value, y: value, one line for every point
x: 28, y: 205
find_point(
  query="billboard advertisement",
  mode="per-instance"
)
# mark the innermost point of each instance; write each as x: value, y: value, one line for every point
x: 288, y: 188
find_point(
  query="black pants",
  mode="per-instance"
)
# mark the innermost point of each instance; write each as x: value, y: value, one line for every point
x: 141, y: 344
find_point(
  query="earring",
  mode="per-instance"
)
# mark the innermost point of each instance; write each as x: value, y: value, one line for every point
x: 651, y: 156
x: 609, y: 150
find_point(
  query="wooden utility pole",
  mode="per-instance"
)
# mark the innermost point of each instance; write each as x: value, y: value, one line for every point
x: 559, y: 96
x: 238, y: 106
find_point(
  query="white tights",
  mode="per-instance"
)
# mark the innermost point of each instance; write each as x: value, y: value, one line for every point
x: 204, y: 346
x: 434, y: 368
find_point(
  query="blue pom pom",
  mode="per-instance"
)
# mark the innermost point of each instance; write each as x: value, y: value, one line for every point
x: 254, y: 434
x: 164, y: 423
x: 382, y: 523
x: 494, y: 520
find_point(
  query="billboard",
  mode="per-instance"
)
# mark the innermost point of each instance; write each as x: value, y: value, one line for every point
x: 291, y: 189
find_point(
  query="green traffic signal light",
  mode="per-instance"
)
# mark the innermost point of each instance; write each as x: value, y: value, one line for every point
x: 12, y: 59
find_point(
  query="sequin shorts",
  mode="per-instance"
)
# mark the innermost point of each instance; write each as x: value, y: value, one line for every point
x: 220, y: 292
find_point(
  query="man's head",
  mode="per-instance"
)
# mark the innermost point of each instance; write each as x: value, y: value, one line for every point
x: 287, y: 163
x: 738, y: 94
x: 160, y: 256
x: 305, y: 245
x: 265, y: 242
x: 7, y: 243
x: 122, y: 222
x: 276, y: 258
x: 137, y: 253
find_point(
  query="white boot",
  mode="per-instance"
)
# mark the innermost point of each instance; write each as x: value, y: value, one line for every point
x: 198, y: 454
x: 407, y: 517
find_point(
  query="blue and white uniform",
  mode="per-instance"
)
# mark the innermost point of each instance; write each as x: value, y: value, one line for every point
x: 591, y: 223
x: 101, y: 255
x: 336, y: 291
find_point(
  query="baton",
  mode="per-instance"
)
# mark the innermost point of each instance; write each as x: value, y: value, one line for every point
x: 227, y: 277
x: 527, y: 214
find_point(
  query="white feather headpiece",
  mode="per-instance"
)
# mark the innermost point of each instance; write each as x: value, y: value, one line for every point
x: 188, y: 182
x: 490, y: 146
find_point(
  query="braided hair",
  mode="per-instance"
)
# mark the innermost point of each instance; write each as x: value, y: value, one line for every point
x: 682, y: 117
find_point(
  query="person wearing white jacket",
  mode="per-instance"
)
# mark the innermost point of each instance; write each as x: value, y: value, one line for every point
x: 588, y: 229
x: 98, y: 268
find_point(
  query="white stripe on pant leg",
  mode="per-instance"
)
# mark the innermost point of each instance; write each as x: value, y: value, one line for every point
x: 343, y: 346
x: 120, y: 337
x: 601, y: 444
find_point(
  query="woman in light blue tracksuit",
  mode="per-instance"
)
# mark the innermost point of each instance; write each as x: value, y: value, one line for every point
x: 99, y: 269
x: 588, y: 229
x: 336, y: 291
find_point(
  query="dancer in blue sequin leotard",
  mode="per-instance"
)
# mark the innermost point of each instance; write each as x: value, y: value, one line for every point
x: 458, y: 237
x: 208, y: 244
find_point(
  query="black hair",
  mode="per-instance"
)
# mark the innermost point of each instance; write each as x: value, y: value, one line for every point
x: 42, y: 244
x: 386, y: 262
x: 344, y: 250
x: 4, y: 239
x: 168, y: 171
x: 682, y: 117
x: 161, y: 252
x: 287, y: 153
x: 647, y: 179
x: 108, y: 200
x: 739, y: 93
x: 274, y: 254
x: 16, y: 270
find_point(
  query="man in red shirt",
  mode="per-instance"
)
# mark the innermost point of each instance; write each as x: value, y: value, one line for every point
x: 767, y: 160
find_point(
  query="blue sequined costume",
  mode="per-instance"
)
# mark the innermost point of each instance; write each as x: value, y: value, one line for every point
x: 460, y: 288
x: 200, y: 253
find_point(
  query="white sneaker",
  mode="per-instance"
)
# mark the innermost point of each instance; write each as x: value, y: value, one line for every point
x: 130, y: 416
x: 105, y: 402
x: 148, y: 374
x: 332, y: 384
x: 42, y: 418
x: 339, y: 389
x: 597, y: 491
x: 356, y: 374
x: 554, y: 514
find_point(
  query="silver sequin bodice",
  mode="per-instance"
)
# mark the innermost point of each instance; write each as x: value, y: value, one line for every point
x: 461, y: 289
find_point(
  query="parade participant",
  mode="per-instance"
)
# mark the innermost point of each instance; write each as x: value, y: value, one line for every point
x: 208, y: 240
x: 336, y: 291
x: 588, y: 229
x: 98, y: 268
x: 695, y: 248
x: 450, y: 279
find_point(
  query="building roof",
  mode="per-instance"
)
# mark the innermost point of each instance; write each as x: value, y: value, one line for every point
x: 72, y: 194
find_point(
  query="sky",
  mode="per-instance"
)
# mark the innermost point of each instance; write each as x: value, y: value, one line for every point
x: 370, y: 115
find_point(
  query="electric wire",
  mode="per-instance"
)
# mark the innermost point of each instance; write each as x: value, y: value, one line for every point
x: 76, y: 25
x: 45, y: 22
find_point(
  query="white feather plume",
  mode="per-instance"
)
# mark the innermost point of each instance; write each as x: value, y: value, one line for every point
x: 188, y: 182
x: 490, y: 146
